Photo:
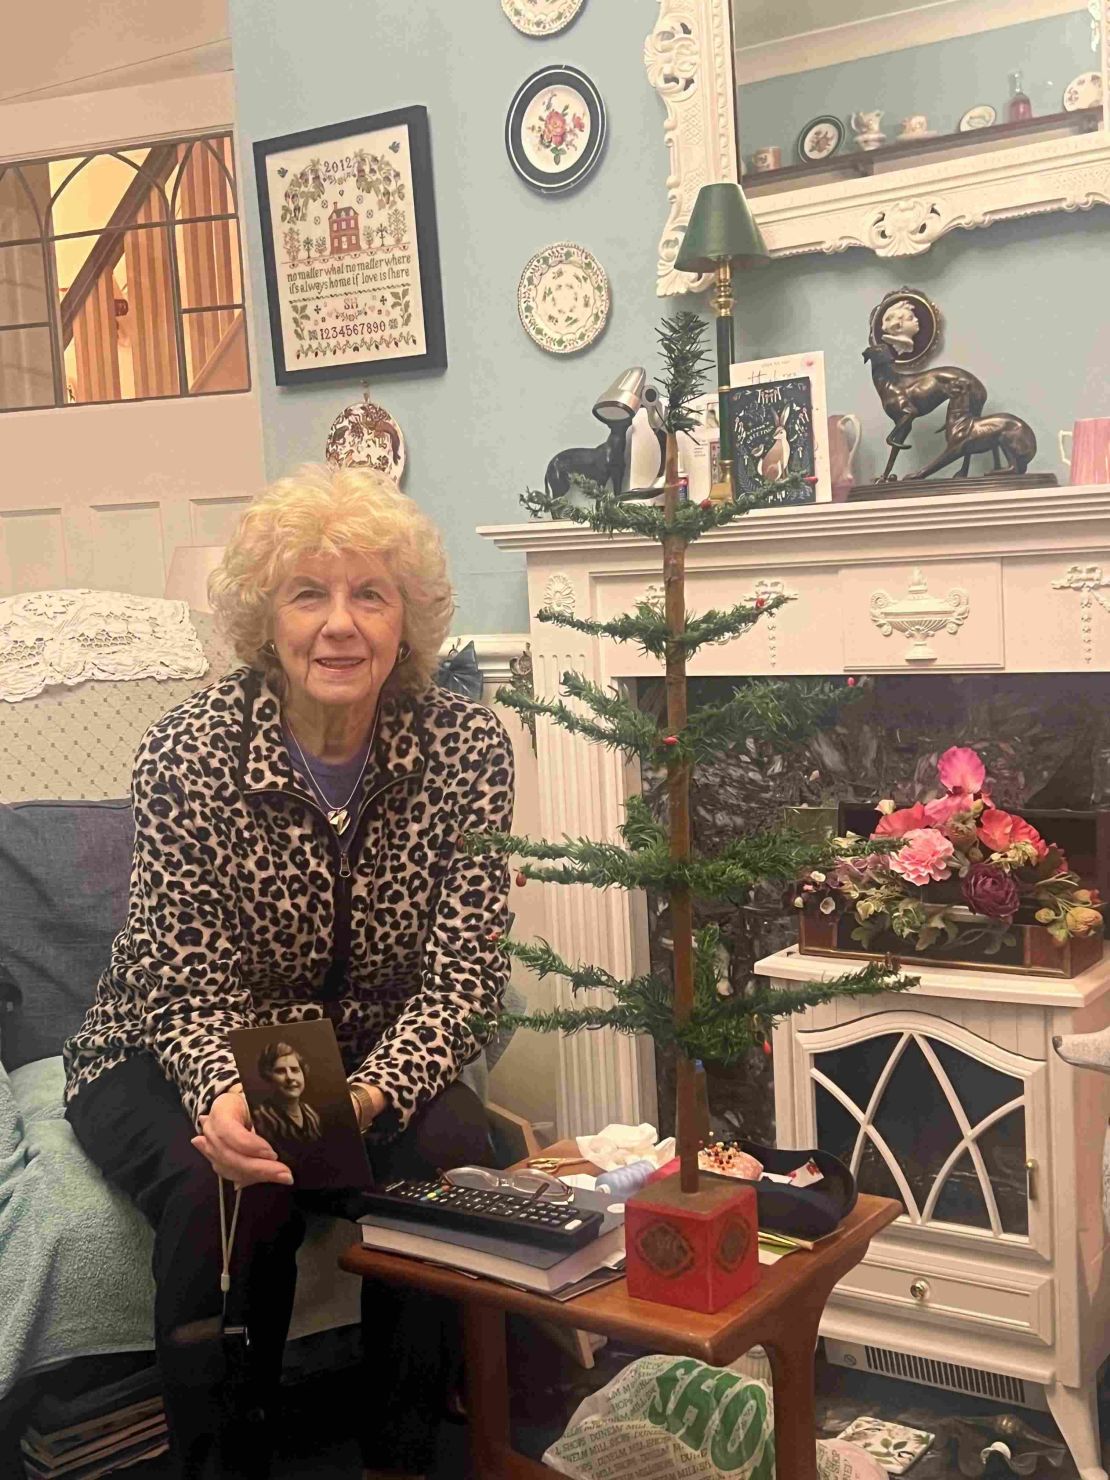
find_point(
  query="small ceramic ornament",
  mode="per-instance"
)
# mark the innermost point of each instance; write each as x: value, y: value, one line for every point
x: 820, y: 138
x: 981, y: 116
x: 1084, y: 91
x: 868, y: 131
x: 541, y: 17
x: 364, y: 435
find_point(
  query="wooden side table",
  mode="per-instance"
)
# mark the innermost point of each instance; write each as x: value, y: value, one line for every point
x: 781, y: 1314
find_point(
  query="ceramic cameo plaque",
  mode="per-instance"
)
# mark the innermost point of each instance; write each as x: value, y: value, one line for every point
x: 563, y: 298
x: 555, y: 129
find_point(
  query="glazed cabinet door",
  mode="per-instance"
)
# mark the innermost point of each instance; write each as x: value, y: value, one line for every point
x: 923, y: 1111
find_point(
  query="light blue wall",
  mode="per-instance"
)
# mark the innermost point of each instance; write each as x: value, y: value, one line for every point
x: 942, y: 80
x: 1025, y: 303
x: 485, y: 429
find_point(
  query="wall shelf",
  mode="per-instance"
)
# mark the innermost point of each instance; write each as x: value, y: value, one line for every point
x: 868, y: 162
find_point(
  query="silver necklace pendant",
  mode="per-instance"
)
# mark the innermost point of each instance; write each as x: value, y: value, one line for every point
x: 338, y: 818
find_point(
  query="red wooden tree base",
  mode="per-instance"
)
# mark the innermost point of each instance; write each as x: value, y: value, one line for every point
x: 698, y: 1250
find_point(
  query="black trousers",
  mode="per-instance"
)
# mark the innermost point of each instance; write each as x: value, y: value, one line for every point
x: 219, y: 1391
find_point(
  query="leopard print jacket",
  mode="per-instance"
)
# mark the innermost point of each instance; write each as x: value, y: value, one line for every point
x: 244, y: 911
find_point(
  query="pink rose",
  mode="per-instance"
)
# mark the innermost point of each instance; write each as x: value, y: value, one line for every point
x: 961, y: 771
x: 579, y: 123
x: 999, y: 830
x: 925, y: 857
x: 554, y: 129
x: 898, y: 824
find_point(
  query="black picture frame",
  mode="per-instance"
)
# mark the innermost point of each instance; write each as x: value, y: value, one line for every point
x: 317, y: 312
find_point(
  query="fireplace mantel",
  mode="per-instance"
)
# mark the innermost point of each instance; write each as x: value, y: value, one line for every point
x: 1009, y: 581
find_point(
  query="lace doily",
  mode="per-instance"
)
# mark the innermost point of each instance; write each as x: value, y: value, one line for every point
x: 66, y: 637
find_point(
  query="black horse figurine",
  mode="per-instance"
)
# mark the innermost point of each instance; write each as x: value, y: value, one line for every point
x: 601, y: 465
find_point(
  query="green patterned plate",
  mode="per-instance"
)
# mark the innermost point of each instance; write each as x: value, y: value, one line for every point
x: 563, y: 298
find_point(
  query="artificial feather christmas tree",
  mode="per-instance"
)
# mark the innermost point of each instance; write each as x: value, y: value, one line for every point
x: 689, y: 1013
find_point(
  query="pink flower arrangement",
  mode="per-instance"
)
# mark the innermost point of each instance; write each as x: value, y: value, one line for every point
x: 951, y: 868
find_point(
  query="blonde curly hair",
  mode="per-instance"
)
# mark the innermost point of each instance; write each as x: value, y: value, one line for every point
x: 326, y: 510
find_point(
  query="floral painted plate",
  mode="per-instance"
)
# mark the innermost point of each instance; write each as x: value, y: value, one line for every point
x: 981, y: 116
x: 364, y: 435
x: 820, y: 138
x: 555, y: 129
x: 1084, y: 91
x: 541, y: 17
x: 563, y: 298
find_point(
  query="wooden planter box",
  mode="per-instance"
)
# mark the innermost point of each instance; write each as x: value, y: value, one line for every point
x: 1034, y: 952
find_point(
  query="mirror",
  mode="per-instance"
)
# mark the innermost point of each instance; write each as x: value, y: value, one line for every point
x: 881, y: 123
x: 852, y: 88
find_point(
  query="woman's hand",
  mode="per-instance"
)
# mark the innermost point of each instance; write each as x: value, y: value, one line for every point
x: 368, y: 1102
x: 234, y: 1150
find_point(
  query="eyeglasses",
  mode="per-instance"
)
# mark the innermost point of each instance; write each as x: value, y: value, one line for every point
x: 536, y: 1186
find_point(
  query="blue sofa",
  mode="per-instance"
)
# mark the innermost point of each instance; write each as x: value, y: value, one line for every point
x: 75, y: 1255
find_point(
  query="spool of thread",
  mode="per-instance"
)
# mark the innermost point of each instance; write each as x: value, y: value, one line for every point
x: 622, y: 1182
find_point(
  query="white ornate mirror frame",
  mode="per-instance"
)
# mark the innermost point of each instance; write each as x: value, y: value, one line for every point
x: 689, y: 62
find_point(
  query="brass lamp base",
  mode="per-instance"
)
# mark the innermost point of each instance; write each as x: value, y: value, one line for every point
x: 721, y: 493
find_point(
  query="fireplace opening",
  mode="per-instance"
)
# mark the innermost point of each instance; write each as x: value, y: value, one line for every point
x: 1045, y: 739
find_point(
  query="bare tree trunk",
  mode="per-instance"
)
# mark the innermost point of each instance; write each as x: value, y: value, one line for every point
x: 678, y: 795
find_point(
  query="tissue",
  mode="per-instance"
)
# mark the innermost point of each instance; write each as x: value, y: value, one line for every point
x: 619, y: 1145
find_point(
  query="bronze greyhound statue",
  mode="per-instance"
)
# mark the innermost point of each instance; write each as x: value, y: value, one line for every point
x: 908, y: 394
x: 966, y: 434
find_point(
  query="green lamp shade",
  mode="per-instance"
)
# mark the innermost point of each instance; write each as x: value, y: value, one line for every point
x: 721, y: 229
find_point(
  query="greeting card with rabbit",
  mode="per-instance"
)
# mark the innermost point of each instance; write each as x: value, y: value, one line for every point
x: 776, y: 412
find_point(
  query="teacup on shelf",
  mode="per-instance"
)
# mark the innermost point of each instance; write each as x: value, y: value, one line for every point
x: 916, y: 127
x: 769, y: 158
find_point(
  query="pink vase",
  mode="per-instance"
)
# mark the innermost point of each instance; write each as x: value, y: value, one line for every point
x: 844, y: 439
x: 1090, y: 451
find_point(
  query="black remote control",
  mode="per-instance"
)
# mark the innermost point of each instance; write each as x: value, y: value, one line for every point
x: 506, y: 1215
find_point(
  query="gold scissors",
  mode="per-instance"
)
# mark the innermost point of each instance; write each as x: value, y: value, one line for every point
x: 552, y: 1165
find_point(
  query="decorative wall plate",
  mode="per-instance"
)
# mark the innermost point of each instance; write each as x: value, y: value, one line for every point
x: 820, y: 139
x: 1084, y: 91
x: 563, y: 298
x: 981, y: 116
x: 555, y: 129
x: 364, y: 435
x: 541, y: 17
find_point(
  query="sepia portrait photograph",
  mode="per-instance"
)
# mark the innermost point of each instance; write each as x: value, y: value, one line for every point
x: 296, y: 1089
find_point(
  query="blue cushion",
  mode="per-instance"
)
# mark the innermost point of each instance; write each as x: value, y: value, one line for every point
x: 64, y: 874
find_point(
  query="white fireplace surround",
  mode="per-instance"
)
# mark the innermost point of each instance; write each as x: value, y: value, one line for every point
x: 1007, y: 582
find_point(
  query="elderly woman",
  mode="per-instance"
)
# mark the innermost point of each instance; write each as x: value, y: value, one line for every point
x: 298, y: 830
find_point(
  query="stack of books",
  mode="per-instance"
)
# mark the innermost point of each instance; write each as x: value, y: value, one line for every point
x: 97, y: 1446
x: 517, y: 1262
